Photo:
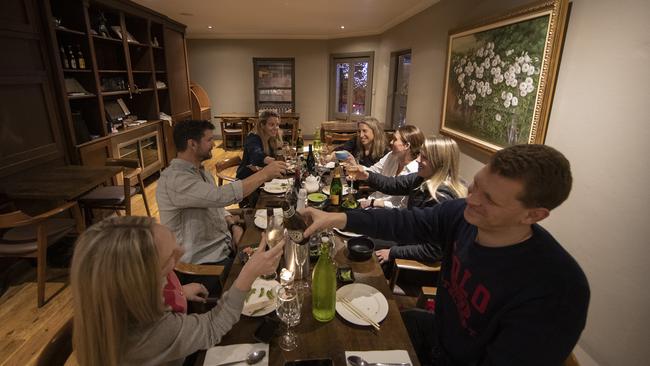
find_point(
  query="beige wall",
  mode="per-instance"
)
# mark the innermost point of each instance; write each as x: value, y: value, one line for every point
x: 225, y: 69
x: 598, y: 120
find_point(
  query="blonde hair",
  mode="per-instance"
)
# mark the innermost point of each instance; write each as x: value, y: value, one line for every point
x: 444, y: 156
x: 116, y: 285
x: 378, y: 148
x: 269, y: 143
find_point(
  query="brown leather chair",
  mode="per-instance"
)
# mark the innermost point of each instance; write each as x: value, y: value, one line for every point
x: 117, y: 197
x: 224, y: 164
x: 338, y: 138
x: 58, y: 349
x: 233, y: 127
x: 25, y: 236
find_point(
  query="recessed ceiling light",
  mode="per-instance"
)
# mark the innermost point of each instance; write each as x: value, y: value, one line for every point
x: 342, y: 27
x: 209, y: 27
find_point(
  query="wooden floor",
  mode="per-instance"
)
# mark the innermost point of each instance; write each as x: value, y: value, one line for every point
x: 25, y: 329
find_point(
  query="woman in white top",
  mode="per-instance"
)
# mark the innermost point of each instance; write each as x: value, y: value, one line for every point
x: 400, y: 160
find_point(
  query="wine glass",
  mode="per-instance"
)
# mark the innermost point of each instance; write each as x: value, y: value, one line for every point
x: 302, y: 253
x: 288, y: 310
x: 351, y: 171
x: 274, y: 235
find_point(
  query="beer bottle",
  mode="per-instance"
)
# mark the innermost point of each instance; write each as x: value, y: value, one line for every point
x: 295, y: 224
x: 324, y: 285
x: 336, y: 187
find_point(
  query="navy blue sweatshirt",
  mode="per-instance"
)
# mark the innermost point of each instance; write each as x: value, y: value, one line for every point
x: 524, y: 304
x: 253, y: 155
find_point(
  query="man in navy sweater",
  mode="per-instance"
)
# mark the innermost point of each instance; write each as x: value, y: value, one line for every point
x: 509, y: 294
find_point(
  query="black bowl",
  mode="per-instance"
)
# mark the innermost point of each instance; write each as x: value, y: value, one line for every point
x: 360, y: 249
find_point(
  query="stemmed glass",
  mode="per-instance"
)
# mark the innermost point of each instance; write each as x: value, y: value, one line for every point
x: 351, y: 170
x: 302, y: 253
x: 288, y: 310
x: 274, y: 235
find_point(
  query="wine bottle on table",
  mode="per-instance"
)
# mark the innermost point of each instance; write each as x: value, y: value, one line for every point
x: 311, y: 160
x: 300, y: 142
x: 324, y: 285
x: 336, y: 187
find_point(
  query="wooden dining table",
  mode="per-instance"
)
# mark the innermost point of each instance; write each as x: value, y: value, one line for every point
x: 60, y: 183
x: 318, y: 340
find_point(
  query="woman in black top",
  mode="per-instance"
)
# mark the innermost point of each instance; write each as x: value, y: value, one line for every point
x: 437, y: 180
x: 261, y: 144
x: 370, y: 144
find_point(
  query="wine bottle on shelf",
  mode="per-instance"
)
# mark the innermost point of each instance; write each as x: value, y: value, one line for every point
x: 64, y: 59
x: 80, y: 58
x: 324, y: 285
x: 294, y: 223
x: 311, y: 160
x: 73, y: 61
x: 336, y: 187
x: 300, y: 142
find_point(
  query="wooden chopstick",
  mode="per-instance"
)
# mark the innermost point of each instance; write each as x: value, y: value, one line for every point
x: 356, y: 311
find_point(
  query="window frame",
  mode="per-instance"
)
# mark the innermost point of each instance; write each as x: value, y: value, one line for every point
x: 392, y: 83
x: 350, y: 57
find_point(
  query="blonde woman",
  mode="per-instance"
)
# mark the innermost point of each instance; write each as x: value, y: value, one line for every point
x: 437, y: 180
x: 117, y: 276
x: 369, y: 146
x: 261, y: 144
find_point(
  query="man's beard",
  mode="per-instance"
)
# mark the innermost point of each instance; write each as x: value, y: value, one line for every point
x: 206, y: 156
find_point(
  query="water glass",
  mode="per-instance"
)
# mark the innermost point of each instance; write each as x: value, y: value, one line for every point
x: 288, y: 310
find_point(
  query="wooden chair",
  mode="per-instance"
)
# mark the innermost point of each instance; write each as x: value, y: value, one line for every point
x: 412, y: 265
x: 289, y: 126
x: 338, y: 138
x: 58, y: 349
x: 233, y: 127
x: 117, y: 197
x: 25, y: 236
x: 224, y: 164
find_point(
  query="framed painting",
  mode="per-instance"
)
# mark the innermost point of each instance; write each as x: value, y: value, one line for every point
x: 500, y: 77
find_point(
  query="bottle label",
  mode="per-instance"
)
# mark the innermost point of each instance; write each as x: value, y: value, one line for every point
x: 334, y: 199
x: 296, y: 236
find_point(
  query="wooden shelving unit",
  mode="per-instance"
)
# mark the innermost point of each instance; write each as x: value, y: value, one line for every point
x: 122, y: 63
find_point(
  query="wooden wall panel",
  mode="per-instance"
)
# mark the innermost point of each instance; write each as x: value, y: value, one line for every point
x: 177, y: 72
x: 30, y: 126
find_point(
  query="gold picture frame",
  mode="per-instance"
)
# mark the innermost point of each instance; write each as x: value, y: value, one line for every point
x: 500, y: 76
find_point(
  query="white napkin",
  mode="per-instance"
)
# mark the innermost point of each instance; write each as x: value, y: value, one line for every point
x: 223, y: 354
x: 282, y: 181
x: 397, y: 355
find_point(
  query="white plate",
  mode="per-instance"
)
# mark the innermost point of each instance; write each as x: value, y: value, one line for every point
x: 326, y: 190
x: 257, y: 305
x: 330, y: 165
x: 260, y: 217
x: 347, y: 233
x: 274, y: 188
x: 366, y: 298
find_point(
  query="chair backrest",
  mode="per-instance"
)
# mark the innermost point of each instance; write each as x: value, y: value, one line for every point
x: 134, y: 169
x: 224, y: 164
x: 58, y: 349
x: 332, y: 137
x: 15, y: 219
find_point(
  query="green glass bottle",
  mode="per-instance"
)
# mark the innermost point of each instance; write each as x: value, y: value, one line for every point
x: 324, y: 285
x: 336, y: 187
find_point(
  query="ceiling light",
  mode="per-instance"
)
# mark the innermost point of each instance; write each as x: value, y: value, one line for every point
x: 209, y: 27
x: 342, y: 27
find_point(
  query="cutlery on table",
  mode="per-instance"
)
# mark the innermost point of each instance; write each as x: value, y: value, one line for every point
x: 358, y: 312
x: 358, y: 361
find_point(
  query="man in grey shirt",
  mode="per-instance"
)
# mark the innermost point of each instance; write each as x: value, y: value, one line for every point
x: 192, y: 205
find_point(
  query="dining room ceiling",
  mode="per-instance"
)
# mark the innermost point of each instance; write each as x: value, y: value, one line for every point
x: 287, y: 19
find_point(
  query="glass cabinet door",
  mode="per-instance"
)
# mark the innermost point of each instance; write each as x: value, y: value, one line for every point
x: 129, y: 150
x: 149, y: 148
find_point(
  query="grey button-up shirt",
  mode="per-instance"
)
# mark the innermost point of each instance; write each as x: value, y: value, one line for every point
x: 191, y: 205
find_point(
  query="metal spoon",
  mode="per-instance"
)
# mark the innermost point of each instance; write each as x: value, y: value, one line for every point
x: 251, y: 358
x: 358, y: 361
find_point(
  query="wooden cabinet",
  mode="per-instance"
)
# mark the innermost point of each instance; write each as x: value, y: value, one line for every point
x: 200, y: 103
x: 30, y: 123
x: 135, y: 62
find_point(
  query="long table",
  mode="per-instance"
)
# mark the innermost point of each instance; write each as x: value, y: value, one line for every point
x: 324, y: 340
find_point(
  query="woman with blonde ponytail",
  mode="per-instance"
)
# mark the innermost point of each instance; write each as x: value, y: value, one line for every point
x: 117, y: 277
x: 437, y: 180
